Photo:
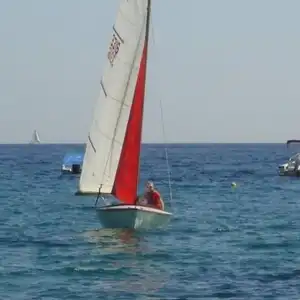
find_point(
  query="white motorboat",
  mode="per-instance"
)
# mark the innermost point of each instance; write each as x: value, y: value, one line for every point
x: 72, y: 163
x: 292, y: 166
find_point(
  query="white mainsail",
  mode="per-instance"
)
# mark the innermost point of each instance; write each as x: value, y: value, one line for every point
x: 35, y: 138
x: 111, y: 113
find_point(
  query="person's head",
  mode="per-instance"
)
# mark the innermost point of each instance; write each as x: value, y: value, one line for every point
x: 149, y: 186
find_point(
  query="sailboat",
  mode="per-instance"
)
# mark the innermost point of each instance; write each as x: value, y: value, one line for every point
x: 35, y: 138
x: 112, y: 156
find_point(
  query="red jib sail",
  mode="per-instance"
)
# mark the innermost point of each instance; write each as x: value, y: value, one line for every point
x: 126, y: 180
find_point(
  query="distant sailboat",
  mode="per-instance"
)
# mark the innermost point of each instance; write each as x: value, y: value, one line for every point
x: 111, y: 163
x: 35, y: 138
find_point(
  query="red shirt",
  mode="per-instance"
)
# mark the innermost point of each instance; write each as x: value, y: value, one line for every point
x: 154, y: 199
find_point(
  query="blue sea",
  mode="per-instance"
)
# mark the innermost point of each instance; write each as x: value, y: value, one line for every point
x: 222, y: 243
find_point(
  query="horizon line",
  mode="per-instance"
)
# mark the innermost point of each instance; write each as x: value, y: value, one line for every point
x: 145, y: 143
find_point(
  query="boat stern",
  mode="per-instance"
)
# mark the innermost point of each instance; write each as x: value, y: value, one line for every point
x: 282, y: 169
x: 289, y: 169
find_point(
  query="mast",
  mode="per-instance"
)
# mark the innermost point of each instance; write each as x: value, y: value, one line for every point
x: 148, y: 25
x: 148, y: 18
x: 147, y: 33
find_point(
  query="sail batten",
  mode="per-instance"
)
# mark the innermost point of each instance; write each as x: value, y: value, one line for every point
x: 103, y: 89
x: 116, y: 32
x: 114, y: 106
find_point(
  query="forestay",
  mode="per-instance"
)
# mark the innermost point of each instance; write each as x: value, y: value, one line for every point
x: 112, y: 111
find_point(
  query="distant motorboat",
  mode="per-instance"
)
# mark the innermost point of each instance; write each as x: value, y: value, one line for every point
x: 72, y: 163
x: 35, y: 138
x: 292, y: 166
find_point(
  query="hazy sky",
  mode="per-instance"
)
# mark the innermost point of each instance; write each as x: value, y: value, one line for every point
x: 226, y: 71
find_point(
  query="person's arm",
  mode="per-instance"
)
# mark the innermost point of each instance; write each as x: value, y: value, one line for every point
x: 158, y: 202
x: 162, y: 204
x: 137, y: 200
x: 141, y: 200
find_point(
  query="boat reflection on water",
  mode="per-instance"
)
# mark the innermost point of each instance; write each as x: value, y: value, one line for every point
x: 127, y: 262
x: 111, y: 241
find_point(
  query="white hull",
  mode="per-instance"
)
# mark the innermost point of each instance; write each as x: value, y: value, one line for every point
x: 68, y: 170
x: 132, y: 216
x: 288, y: 170
x: 291, y: 167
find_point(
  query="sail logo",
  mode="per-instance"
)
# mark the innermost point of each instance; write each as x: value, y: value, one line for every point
x: 113, y: 49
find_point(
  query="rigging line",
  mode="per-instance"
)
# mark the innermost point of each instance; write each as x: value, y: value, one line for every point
x: 98, y: 196
x: 166, y: 153
x: 163, y: 131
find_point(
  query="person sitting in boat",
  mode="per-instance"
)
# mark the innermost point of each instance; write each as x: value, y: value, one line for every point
x: 151, y: 197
